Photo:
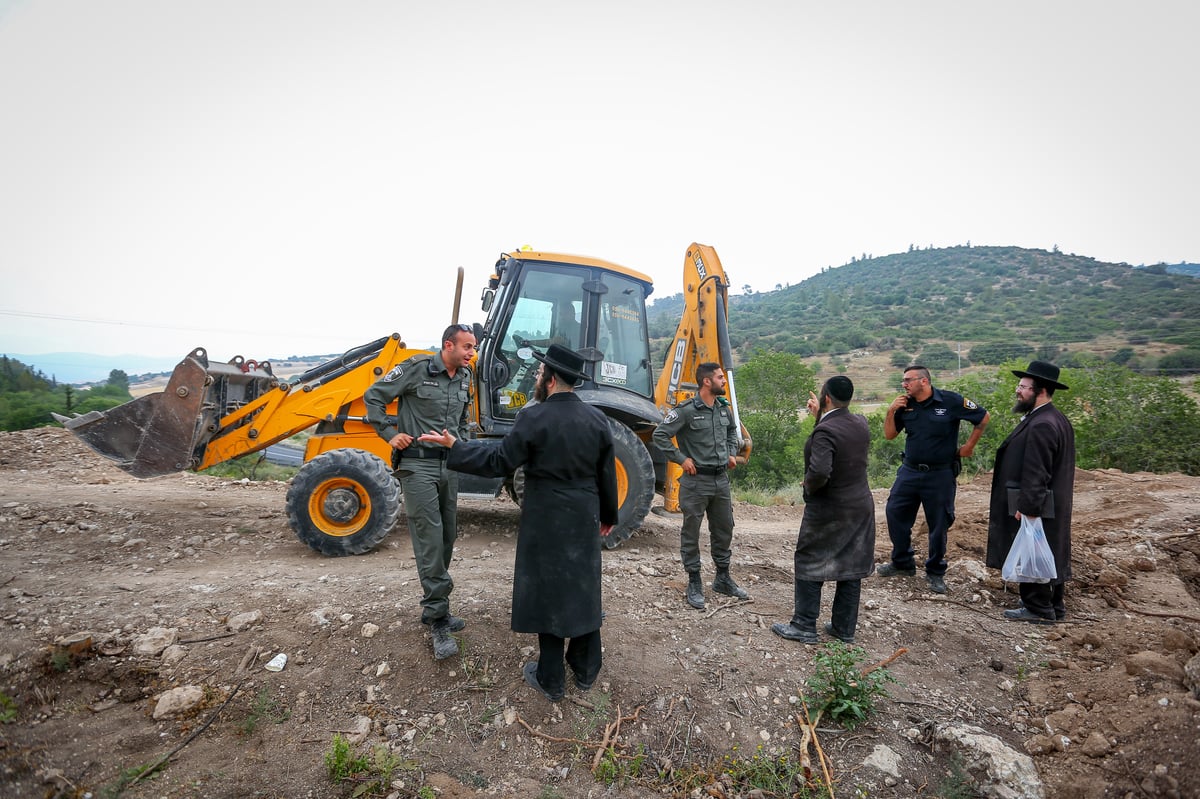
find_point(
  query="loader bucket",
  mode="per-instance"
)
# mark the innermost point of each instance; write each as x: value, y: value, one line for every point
x: 152, y: 435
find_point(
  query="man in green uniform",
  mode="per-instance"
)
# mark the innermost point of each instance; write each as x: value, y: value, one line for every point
x: 432, y: 392
x: 707, y: 437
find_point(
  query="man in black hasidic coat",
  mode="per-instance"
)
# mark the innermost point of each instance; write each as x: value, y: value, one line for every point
x: 837, y: 534
x: 570, y: 501
x: 1035, y: 476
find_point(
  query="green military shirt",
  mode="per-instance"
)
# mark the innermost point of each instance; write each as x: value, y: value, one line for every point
x: 709, y: 436
x: 430, y: 399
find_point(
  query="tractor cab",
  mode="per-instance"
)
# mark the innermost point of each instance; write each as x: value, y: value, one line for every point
x: 593, y: 307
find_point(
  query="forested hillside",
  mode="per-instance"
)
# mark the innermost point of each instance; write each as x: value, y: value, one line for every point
x: 961, y: 306
x: 28, y: 397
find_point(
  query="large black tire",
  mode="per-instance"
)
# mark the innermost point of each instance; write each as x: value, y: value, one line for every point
x: 635, y: 483
x: 343, y: 502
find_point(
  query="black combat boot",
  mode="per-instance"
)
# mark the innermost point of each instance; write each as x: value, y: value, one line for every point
x: 724, y: 584
x: 695, y: 591
x: 454, y: 622
x: 444, y: 645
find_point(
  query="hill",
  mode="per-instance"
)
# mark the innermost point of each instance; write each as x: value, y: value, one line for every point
x: 961, y: 307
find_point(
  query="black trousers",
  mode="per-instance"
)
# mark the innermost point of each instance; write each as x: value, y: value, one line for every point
x: 845, y: 606
x: 1044, y: 599
x: 583, y: 655
x: 935, y: 492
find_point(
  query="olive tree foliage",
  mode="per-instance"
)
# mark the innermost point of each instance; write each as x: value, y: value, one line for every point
x: 772, y: 392
x: 1123, y: 420
x: 1130, y: 421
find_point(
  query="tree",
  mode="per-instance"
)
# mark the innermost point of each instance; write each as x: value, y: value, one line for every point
x: 938, y: 356
x: 1123, y: 420
x: 1132, y: 422
x: 772, y: 391
x: 1184, y: 361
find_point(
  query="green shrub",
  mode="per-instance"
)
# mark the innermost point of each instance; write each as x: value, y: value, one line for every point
x: 840, y: 690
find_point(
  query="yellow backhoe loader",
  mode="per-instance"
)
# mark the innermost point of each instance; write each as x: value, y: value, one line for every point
x: 344, y: 499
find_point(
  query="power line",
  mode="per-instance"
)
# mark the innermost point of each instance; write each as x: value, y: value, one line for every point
x: 115, y: 322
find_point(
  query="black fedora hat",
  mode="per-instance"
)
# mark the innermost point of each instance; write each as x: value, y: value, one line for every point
x: 563, y: 361
x: 1043, y: 371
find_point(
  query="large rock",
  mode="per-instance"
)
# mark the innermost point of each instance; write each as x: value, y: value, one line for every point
x: 1156, y: 664
x: 244, y: 621
x: 178, y: 701
x: 152, y: 642
x: 997, y: 770
x: 885, y: 759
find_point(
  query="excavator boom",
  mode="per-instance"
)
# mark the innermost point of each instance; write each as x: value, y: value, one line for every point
x: 701, y: 337
x: 210, y: 413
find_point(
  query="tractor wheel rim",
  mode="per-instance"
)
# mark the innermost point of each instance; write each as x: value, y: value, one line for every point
x: 339, y: 507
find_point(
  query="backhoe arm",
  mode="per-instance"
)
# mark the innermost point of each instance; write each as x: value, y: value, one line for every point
x: 701, y: 337
x: 212, y: 413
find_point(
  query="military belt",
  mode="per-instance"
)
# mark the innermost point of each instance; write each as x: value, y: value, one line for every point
x: 438, y: 454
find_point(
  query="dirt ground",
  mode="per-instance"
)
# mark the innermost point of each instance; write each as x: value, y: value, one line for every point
x: 93, y: 561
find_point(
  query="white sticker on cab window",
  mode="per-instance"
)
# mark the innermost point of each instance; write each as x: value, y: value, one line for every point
x: 616, y: 372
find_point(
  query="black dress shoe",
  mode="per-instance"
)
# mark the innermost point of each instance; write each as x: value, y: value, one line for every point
x: 845, y: 639
x: 1058, y: 615
x: 890, y: 570
x: 1024, y: 614
x: 530, y: 672
x: 794, y: 633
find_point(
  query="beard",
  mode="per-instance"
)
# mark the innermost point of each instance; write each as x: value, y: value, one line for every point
x: 718, y: 391
x: 542, y: 389
x: 1024, y: 406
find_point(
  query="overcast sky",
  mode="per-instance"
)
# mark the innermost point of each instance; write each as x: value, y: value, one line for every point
x: 287, y: 178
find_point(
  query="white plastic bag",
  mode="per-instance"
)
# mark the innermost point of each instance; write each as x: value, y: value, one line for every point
x: 1030, y: 559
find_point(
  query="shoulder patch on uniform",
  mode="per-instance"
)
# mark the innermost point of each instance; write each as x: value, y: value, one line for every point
x: 969, y: 405
x: 395, y: 373
x: 671, y: 416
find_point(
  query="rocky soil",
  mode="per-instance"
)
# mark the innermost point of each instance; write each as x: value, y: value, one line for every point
x: 139, y: 618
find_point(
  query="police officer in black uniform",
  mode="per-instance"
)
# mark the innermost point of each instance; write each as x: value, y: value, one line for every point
x: 707, y: 437
x: 432, y: 392
x: 929, y: 418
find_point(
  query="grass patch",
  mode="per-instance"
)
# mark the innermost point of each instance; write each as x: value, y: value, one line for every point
x: 737, y: 775
x: 371, y: 774
x: 252, y: 467
x: 264, y: 708
x: 616, y: 769
x: 770, y: 497
x: 127, y: 777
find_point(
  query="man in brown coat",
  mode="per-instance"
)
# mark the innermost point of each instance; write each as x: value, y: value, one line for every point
x: 1035, y: 476
x: 837, y: 533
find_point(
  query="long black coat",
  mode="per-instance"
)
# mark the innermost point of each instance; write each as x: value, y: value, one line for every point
x: 837, y: 533
x: 570, y: 489
x: 1037, y: 458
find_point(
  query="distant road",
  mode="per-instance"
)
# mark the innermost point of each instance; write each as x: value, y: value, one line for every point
x: 284, y: 455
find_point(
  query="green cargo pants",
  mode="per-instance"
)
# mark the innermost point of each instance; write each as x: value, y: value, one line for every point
x: 431, y: 506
